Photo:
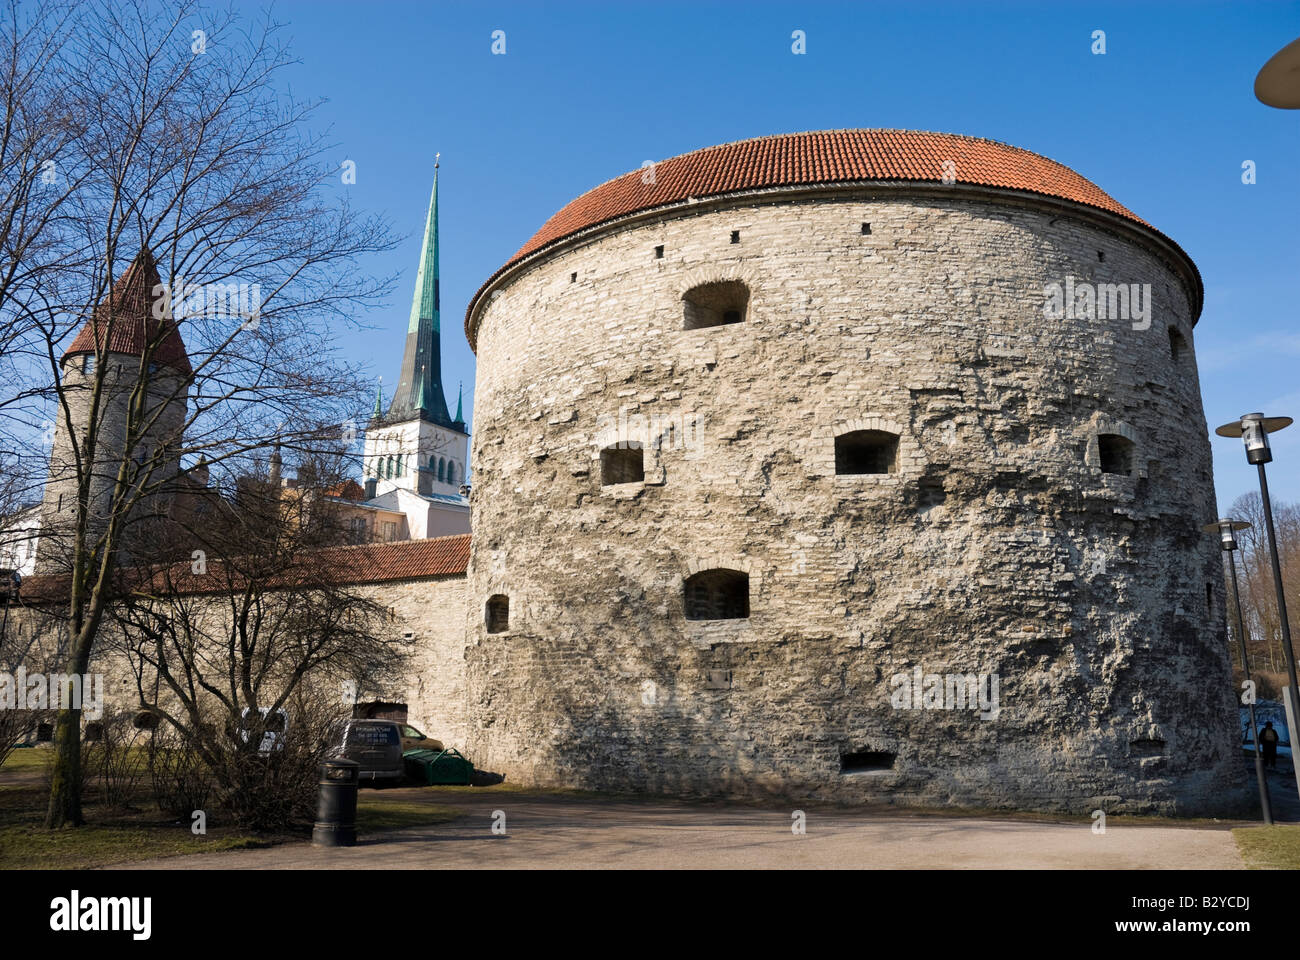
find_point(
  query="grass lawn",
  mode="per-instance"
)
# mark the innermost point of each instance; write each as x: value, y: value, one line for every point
x: 109, y: 836
x: 374, y: 814
x: 142, y: 833
x: 26, y: 758
x: 100, y: 845
x: 1269, y: 848
x: 453, y: 790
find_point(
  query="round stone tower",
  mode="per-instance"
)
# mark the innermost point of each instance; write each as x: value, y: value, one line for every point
x: 121, y: 334
x: 860, y: 465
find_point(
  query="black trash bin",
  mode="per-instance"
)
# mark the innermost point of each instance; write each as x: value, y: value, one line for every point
x: 336, y: 804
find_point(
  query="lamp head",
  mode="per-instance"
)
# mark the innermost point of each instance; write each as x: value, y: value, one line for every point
x: 1254, y: 428
x: 1226, y: 529
x: 1255, y: 437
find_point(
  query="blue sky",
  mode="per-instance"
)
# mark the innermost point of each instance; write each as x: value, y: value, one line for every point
x: 585, y: 91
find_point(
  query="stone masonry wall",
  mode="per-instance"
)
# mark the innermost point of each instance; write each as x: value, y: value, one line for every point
x: 997, y: 547
x: 165, y: 408
x: 433, y: 612
x: 427, y: 621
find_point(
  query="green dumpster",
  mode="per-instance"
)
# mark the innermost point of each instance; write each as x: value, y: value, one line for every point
x: 430, y: 767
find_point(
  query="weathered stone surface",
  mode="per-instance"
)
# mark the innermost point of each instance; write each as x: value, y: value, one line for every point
x: 997, y: 546
x: 425, y: 626
x: 164, y: 408
x: 432, y: 613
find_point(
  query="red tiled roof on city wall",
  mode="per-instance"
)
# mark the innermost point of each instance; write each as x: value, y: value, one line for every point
x: 818, y: 157
x: 401, y: 560
x: 131, y: 325
x: 334, y: 566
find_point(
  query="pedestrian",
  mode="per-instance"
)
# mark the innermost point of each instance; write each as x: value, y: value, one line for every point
x: 1268, y: 742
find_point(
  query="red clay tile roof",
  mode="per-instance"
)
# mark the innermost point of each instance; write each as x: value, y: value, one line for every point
x: 401, y: 560
x: 347, y: 490
x: 134, y: 325
x: 817, y: 157
x: 338, y: 566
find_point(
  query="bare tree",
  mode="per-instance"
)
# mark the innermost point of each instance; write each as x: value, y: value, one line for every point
x: 246, y: 656
x: 188, y: 158
x: 30, y: 637
x: 38, y: 184
x: 1255, y: 574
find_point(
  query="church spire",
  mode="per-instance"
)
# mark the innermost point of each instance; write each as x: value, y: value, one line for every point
x: 379, y: 400
x: 460, y: 397
x: 419, y: 392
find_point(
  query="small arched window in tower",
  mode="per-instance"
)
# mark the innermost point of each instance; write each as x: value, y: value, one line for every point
x: 622, y: 463
x: 442, y: 469
x: 717, y: 595
x: 866, y: 451
x: 1177, y: 345
x: 498, y: 613
x: 451, y: 471
x: 715, y: 304
x: 399, y: 465
x: 388, y: 469
x: 1116, y: 453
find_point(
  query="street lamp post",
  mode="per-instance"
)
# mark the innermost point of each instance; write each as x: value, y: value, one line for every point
x: 1225, y: 529
x: 1253, y: 429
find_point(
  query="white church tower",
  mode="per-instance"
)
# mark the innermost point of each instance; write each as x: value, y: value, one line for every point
x: 416, y: 453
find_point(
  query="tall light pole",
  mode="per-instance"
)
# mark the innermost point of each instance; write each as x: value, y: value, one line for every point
x: 1278, y: 85
x: 1228, y: 543
x: 1254, y: 428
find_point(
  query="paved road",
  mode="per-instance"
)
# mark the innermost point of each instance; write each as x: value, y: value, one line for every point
x: 560, y: 832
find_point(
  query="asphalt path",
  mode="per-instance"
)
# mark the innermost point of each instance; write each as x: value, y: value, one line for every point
x: 515, y: 830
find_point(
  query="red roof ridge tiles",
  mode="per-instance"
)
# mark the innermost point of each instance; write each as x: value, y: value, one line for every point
x: 133, y: 326
x: 818, y: 157
x: 426, y: 559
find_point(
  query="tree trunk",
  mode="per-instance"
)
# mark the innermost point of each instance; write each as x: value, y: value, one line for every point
x: 65, y: 781
x: 64, y: 809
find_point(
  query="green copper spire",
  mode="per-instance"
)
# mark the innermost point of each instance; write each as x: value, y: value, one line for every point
x: 460, y: 396
x: 379, y: 400
x: 419, y: 393
x: 425, y: 302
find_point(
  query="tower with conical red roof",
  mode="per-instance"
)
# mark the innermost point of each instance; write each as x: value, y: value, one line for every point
x: 123, y: 340
x: 417, y: 452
